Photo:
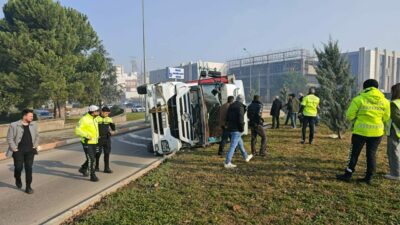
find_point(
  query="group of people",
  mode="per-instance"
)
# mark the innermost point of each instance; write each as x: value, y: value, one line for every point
x: 94, y: 129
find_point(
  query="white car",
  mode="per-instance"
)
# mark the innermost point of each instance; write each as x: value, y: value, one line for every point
x: 138, y: 108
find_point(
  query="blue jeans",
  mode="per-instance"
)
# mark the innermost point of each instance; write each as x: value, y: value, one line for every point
x: 236, y: 140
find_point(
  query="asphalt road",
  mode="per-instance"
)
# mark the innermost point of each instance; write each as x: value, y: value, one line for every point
x: 59, y: 186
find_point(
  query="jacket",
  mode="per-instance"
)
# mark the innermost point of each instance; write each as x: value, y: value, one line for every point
x: 296, y: 105
x: 222, y: 114
x: 289, y: 106
x: 310, y: 105
x: 235, y: 117
x: 86, y: 128
x: 369, y: 111
x: 14, y: 136
x: 254, y: 113
x: 276, y: 108
x: 105, y: 124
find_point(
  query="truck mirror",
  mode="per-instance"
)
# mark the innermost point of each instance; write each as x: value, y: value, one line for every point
x: 142, y: 89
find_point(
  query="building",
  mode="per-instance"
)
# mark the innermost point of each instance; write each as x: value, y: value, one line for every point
x: 128, y: 82
x: 262, y: 73
x: 382, y: 65
x: 191, y: 71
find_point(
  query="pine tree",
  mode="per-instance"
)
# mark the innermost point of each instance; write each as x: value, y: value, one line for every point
x: 335, y: 80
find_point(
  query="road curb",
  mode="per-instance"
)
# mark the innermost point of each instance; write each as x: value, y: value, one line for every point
x: 49, y: 146
x: 82, y: 206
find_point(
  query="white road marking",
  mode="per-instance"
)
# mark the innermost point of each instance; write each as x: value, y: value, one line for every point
x: 120, y: 139
x: 132, y: 135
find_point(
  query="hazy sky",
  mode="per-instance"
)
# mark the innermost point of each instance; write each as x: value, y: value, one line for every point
x: 217, y: 30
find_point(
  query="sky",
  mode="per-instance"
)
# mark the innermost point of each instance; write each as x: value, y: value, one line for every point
x: 179, y: 31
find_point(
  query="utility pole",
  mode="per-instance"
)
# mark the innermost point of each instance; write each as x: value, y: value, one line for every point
x: 251, y: 67
x: 146, y: 117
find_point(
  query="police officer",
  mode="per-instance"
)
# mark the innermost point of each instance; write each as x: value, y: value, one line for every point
x: 87, y: 129
x: 309, y: 110
x: 106, y: 126
x: 369, y: 111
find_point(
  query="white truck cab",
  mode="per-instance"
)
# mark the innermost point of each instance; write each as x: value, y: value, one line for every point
x: 185, y: 115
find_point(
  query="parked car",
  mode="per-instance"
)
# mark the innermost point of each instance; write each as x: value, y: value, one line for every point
x: 43, y: 114
x: 138, y: 108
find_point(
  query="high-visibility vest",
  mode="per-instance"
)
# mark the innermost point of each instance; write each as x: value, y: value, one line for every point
x: 88, y: 127
x: 310, y: 103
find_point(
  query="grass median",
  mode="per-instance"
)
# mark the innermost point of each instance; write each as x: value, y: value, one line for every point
x: 295, y: 184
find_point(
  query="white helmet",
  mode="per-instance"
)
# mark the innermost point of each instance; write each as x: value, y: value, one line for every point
x: 93, y: 108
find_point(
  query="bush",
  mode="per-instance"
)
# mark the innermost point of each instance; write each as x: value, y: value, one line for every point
x: 116, y: 110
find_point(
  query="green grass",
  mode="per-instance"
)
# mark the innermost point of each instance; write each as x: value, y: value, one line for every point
x: 294, y: 185
x: 134, y: 116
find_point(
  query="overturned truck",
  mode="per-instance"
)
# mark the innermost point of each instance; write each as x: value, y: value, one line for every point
x: 186, y: 115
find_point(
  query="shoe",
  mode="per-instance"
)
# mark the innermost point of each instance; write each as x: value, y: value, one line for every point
x: 83, y: 172
x: 230, y: 166
x: 365, y: 180
x: 390, y: 177
x: 310, y: 142
x: 344, y: 177
x: 29, y: 190
x: 302, y: 142
x: 108, y: 170
x: 254, y: 153
x: 97, y: 169
x: 221, y: 153
x: 18, y: 183
x: 263, y: 154
x: 249, y: 157
x: 94, y: 178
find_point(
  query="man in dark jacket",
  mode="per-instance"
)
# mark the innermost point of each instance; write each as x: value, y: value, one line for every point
x: 222, y: 122
x: 235, y: 123
x: 276, y: 111
x: 254, y: 113
x: 289, y: 108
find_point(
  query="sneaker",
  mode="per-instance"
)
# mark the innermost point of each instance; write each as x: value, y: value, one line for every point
x: 344, y: 177
x: 29, y: 190
x: 230, y: 166
x: 108, y: 170
x: 249, y: 157
x: 390, y: 177
x: 97, y: 169
x: 18, y: 183
x: 83, y: 172
x: 94, y: 178
x: 302, y: 142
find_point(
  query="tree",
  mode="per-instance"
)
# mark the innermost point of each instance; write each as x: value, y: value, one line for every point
x: 283, y: 95
x: 334, y: 77
x: 51, y: 52
x: 295, y: 82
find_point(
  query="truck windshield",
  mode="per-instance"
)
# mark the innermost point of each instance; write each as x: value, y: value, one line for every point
x: 213, y: 104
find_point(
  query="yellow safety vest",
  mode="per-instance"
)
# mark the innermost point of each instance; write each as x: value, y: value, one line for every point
x: 88, y: 127
x: 310, y: 103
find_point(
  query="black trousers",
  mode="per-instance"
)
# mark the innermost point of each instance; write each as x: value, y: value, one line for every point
x: 275, y: 120
x: 90, y: 152
x: 357, y: 144
x: 224, y: 138
x: 308, y: 121
x: 23, y: 160
x: 258, y: 130
x: 103, y: 146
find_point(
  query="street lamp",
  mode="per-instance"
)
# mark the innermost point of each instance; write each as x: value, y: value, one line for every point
x: 146, y: 116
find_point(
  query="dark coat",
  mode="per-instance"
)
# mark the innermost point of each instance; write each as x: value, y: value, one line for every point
x: 276, y: 108
x: 254, y: 113
x: 235, y: 117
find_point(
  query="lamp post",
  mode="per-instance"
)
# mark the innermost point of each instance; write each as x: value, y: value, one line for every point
x: 146, y: 117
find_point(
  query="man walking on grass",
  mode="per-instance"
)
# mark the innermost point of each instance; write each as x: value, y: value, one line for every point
x: 222, y: 122
x: 235, y: 123
x: 309, y: 110
x: 254, y: 113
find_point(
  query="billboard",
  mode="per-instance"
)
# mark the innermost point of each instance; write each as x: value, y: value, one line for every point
x: 175, y: 73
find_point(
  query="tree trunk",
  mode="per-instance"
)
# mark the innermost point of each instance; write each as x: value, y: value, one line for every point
x: 339, y: 134
x: 59, y: 109
x: 54, y: 110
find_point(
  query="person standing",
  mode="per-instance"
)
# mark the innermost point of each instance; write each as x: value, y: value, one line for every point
x: 222, y: 122
x: 301, y: 97
x: 254, y: 114
x: 235, y: 123
x: 369, y: 111
x: 289, y: 109
x: 87, y: 129
x: 275, y: 112
x: 106, y: 128
x: 309, y: 111
x: 23, y: 141
x: 393, y: 145
x: 296, y: 108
